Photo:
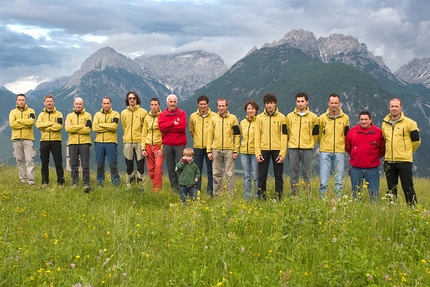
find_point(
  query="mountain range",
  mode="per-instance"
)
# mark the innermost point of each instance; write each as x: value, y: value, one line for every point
x: 297, y: 62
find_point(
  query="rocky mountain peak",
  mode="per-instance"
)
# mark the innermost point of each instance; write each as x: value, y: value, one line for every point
x: 185, y: 72
x: 100, y: 60
x: 303, y: 40
x: 415, y: 72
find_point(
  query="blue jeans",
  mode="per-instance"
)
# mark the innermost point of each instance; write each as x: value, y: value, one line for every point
x: 371, y: 176
x: 249, y: 161
x: 184, y: 191
x: 109, y: 150
x: 200, y: 156
x: 326, y: 162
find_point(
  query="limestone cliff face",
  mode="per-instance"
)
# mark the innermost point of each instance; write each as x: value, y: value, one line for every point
x: 183, y: 73
x: 415, y: 72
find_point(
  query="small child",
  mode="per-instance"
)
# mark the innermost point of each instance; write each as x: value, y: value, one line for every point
x: 189, y: 174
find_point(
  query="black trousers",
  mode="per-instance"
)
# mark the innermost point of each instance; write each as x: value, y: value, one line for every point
x: 403, y: 170
x: 80, y: 152
x: 54, y: 147
x: 263, y: 170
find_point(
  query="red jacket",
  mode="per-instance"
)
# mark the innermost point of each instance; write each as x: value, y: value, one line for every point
x: 365, y: 146
x: 173, y: 135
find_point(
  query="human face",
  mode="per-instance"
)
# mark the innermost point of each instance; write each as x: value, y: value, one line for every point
x: 301, y: 104
x: 270, y: 107
x: 222, y: 107
x: 203, y: 107
x: 365, y: 122
x: 155, y: 106
x: 131, y: 100
x: 395, y: 109
x: 106, y: 105
x: 251, y: 111
x: 78, y: 104
x: 49, y: 104
x: 172, y: 103
x: 334, y: 104
x: 20, y: 102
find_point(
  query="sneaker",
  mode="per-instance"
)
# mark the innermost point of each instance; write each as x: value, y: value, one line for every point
x: 24, y: 181
x: 87, y: 188
x: 44, y: 185
x: 74, y: 186
x: 31, y: 183
x: 61, y: 185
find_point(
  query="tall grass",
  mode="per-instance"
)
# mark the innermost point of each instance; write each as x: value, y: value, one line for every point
x: 118, y: 237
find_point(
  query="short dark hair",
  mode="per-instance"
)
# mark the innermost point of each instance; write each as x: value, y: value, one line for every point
x: 365, y: 113
x: 269, y: 98
x: 134, y: 94
x: 107, y: 98
x: 155, y: 100
x: 395, y: 99
x: 252, y: 103
x: 333, y: 96
x: 222, y: 99
x: 20, y: 95
x: 302, y: 95
x: 203, y: 98
x: 48, y: 96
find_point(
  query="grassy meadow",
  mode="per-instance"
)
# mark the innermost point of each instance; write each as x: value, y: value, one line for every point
x: 118, y: 237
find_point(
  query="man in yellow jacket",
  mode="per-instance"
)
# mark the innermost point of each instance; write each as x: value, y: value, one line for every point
x: 271, y: 138
x: 199, y: 126
x: 50, y: 124
x: 21, y: 120
x: 105, y: 124
x: 333, y: 125
x: 303, y: 132
x: 132, y: 120
x: 78, y: 126
x: 223, y: 145
x: 402, y: 139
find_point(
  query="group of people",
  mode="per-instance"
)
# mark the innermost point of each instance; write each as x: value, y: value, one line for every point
x: 218, y: 140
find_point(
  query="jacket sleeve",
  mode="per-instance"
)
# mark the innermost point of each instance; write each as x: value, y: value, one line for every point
x: 70, y: 128
x: 236, y: 135
x: 181, y: 126
x: 191, y: 125
x: 40, y: 124
x: 257, y: 137
x: 348, y: 143
x: 284, y: 139
x: 87, y: 128
x: 210, y: 136
x: 415, y: 135
x: 13, y: 122
x: 381, y: 146
x: 143, y: 135
x: 316, y: 130
x: 57, y: 125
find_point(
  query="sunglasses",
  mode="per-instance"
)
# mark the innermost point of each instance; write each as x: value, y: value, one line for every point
x: 131, y: 98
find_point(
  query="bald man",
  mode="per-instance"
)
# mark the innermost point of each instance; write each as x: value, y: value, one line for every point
x: 78, y: 126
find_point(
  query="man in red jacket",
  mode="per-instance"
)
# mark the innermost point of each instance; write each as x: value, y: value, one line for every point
x: 173, y: 124
x: 366, y: 146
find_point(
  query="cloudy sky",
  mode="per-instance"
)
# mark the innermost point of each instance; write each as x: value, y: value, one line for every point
x: 41, y: 40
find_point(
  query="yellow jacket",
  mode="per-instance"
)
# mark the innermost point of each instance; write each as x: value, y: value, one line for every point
x: 22, y: 123
x: 132, y: 123
x: 247, y: 130
x: 223, y: 133
x: 303, y: 131
x: 401, y: 140
x: 271, y: 133
x: 106, y: 125
x: 50, y: 125
x: 333, y: 132
x: 199, y: 127
x: 78, y: 126
x: 151, y: 134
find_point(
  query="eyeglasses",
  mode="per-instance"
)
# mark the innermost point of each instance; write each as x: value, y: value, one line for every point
x: 131, y: 98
